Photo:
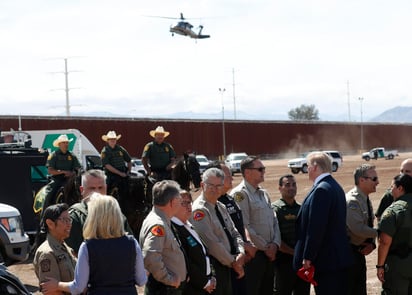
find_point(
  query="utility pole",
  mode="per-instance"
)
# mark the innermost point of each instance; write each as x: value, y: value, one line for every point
x: 361, y: 124
x: 222, y: 91
x: 66, y: 76
x: 234, y: 96
x: 66, y: 85
x: 348, y: 100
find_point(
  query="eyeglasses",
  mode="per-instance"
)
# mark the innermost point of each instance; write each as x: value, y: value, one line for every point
x: 216, y: 186
x: 374, y: 179
x: 260, y: 169
x: 186, y: 203
x: 65, y: 220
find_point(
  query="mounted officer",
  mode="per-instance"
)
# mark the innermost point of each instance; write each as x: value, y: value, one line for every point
x: 61, y: 166
x: 159, y: 156
x: 117, y: 165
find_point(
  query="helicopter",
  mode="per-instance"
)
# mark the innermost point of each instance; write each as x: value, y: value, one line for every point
x: 185, y: 28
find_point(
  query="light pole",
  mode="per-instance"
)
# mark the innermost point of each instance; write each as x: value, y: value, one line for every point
x: 361, y: 123
x: 222, y: 91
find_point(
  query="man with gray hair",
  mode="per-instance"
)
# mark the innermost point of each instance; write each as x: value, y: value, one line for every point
x: 213, y: 223
x: 359, y: 223
x: 161, y: 248
x: 93, y: 180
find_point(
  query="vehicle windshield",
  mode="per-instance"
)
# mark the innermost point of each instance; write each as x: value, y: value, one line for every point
x: 201, y: 158
x: 241, y: 157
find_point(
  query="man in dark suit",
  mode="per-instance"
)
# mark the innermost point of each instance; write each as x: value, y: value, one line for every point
x: 201, y: 280
x: 322, y: 241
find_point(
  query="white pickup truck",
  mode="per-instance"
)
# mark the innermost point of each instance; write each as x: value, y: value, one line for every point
x: 379, y: 152
x: 14, y: 242
x: 300, y: 164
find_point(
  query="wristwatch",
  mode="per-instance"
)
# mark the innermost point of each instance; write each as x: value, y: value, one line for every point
x: 380, y: 266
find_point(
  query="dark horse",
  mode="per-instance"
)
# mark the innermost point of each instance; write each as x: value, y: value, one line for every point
x: 69, y: 194
x: 138, y: 203
x: 186, y: 171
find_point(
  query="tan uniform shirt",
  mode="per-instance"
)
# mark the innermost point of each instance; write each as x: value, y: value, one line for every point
x: 207, y: 224
x: 357, y: 217
x: 258, y: 216
x: 54, y: 259
x: 162, y: 255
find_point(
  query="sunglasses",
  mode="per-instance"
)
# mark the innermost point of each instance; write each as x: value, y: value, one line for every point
x: 260, y: 169
x: 374, y: 179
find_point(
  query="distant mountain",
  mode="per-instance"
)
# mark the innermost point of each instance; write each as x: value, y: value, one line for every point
x: 395, y: 115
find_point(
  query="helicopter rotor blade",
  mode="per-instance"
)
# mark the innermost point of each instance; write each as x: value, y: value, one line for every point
x: 158, y: 16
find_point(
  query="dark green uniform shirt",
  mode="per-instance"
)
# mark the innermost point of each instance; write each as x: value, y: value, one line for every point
x: 385, y: 202
x: 78, y: 213
x: 159, y: 155
x: 59, y: 161
x: 396, y: 221
x: 287, y: 217
x: 116, y: 157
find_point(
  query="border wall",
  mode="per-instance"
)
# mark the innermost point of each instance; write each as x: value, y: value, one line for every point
x: 266, y: 138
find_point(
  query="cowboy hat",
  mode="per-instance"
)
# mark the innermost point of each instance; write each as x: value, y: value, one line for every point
x: 159, y: 129
x: 111, y: 135
x: 60, y: 139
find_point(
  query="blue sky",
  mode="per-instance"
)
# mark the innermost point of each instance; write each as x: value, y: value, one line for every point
x: 284, y: 54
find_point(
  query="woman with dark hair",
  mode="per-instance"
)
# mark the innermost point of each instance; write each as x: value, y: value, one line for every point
x: 110, y: 262
x: 54, y: 259
x: 395, y: 243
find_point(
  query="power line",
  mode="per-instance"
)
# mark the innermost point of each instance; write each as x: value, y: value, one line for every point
x: 66, y: 84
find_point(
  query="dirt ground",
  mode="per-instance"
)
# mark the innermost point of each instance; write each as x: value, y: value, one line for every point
x: 386, y: 170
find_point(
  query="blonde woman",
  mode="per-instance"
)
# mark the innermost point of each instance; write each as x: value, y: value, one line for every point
x: 110, y: 262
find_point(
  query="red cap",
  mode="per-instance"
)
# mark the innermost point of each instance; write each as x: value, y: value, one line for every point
x: 307, y: 275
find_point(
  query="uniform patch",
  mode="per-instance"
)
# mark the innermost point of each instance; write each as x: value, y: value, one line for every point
x: 146, y: 147
x: 353, y: 206
x: 69, y: 158
x: 103, y: 155
x: 158, y: 231
x: 198, y: 215
x: 49, y: 157
x: 239, y: 197
x: 45, y: 265
x: 387, y: 213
